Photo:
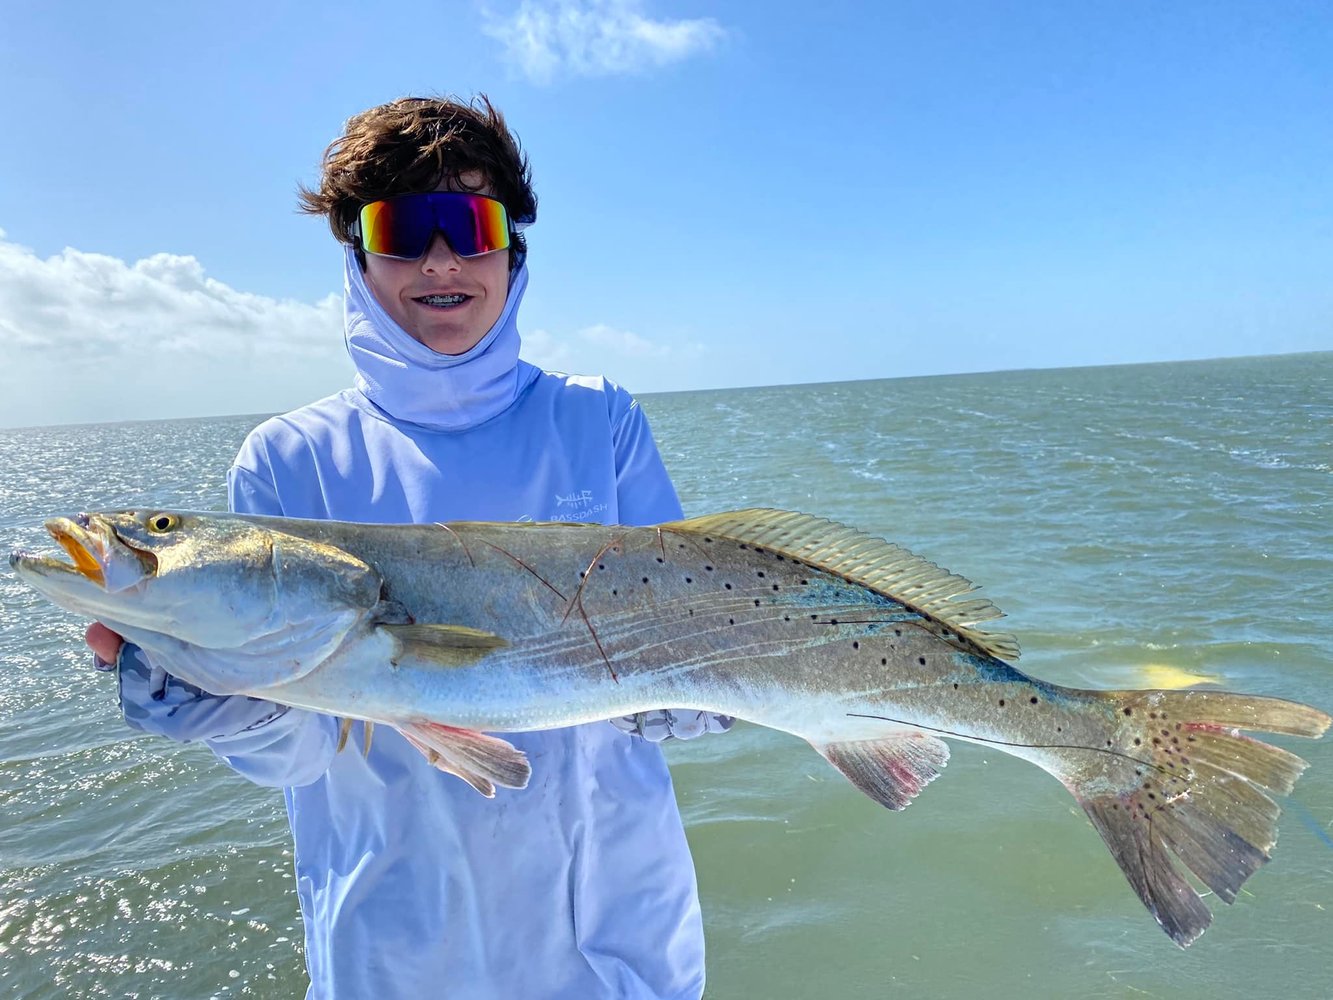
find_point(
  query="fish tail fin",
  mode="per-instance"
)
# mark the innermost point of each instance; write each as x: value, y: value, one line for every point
x: 1179, y: 778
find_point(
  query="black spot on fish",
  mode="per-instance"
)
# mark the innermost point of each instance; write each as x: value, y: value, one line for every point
x: 660, y: 559
x: 645, y: 579
x: 897, y: 631
x: 708, y: 569
x: 786, y: 618
x: 1129, y: 711
x: 1138, y: 742
x: 761, y: 573
x: 775, y: 586
x: 1033, y: 700
x: 921, y: 660
x: 601, y: 565
x: 727, y: 585
x: 689, y: 579
x: 884, y: 662
x: 1002, y: 703
x: 756, y: 602
x: 731, y: 621
x: 856, y: 645
x: 614, y: 592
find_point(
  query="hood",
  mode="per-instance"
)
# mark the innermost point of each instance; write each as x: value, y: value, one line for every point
x: 407, y: 380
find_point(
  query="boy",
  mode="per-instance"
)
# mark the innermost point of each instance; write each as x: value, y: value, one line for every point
x: 411, y: 884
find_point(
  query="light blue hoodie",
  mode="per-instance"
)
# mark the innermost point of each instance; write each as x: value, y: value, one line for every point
x: 411, y: 884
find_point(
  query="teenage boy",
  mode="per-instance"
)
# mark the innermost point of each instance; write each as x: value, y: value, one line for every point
x: 411, y: 884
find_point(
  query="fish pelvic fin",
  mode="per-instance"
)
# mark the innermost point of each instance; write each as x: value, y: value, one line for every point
x: 892, y: 769
x: 1184, y: 787
x: 480, y: 760
x: 345, y: 730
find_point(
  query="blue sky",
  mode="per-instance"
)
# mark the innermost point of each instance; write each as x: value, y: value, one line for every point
x: 732, y: 193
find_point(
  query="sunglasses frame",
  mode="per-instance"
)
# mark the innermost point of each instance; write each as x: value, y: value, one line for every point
x: 511, y: 227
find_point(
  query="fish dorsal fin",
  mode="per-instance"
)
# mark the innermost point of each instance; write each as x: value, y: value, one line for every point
x: 445, y: 645
x: 863, y: 559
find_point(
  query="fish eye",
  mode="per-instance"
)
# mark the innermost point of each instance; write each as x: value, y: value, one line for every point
x: 162, y: 523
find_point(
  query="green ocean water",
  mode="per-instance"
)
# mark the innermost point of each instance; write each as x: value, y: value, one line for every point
x: 1128, y: 519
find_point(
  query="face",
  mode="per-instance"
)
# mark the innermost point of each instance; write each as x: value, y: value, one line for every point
x: 423, y: 295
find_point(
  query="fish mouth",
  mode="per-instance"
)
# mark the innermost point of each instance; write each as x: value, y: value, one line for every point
x: 78, y: 545
x: 96, y: 553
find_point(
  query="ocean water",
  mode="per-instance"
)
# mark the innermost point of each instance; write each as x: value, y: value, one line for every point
x: 1132, y: 521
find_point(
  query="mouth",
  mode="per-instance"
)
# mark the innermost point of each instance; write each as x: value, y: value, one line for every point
x: 96, y: 554
x: 79, y: 544
x: 449, y: 301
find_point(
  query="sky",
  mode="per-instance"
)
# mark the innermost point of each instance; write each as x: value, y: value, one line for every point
x: 731, y: 193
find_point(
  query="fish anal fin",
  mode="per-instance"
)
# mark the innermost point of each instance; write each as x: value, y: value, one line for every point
x: 480, y: 760
x: 891, y: 770
x: 443, y: 645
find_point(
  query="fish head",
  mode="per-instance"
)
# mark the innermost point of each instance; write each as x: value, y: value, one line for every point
x: 181, y: 583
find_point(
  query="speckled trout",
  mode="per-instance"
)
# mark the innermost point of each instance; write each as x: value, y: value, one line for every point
x: 452, y: 632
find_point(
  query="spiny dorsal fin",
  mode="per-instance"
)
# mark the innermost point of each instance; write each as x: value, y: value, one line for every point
x: 864, y: 559
x: 447, y: 645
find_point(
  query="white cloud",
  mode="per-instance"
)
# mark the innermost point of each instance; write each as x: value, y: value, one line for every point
x: 624, y: 342
x: 89, y: 337
x: 545, y: 38
x: 635, y: 361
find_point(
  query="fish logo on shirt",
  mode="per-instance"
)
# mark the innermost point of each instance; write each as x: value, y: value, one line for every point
x: 577, y: 505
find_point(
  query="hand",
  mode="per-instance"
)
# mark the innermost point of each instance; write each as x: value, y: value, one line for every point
x: 104, y: 643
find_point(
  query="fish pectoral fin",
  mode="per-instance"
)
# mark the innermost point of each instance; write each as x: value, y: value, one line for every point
x: 445, y: 645
x: 480, y: 760
x: 891, y: 770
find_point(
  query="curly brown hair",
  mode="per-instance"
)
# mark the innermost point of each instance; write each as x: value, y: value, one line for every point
x: 413, y: 144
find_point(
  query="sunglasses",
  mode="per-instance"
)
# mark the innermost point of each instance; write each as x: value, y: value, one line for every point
x: 404, y: 225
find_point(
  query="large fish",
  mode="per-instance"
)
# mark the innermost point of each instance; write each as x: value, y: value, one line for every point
x: 866, y: 651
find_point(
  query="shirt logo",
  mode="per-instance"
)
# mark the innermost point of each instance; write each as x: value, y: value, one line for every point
x: 582, y: 498
x: 578, y: 505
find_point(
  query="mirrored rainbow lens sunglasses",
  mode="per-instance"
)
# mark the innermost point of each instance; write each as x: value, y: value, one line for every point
x: 404, y: 225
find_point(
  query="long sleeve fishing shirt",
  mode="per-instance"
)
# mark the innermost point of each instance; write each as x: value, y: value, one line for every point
x: 411, y: 884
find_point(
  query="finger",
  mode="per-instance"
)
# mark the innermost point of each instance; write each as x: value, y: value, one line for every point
x: 104, y: 643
